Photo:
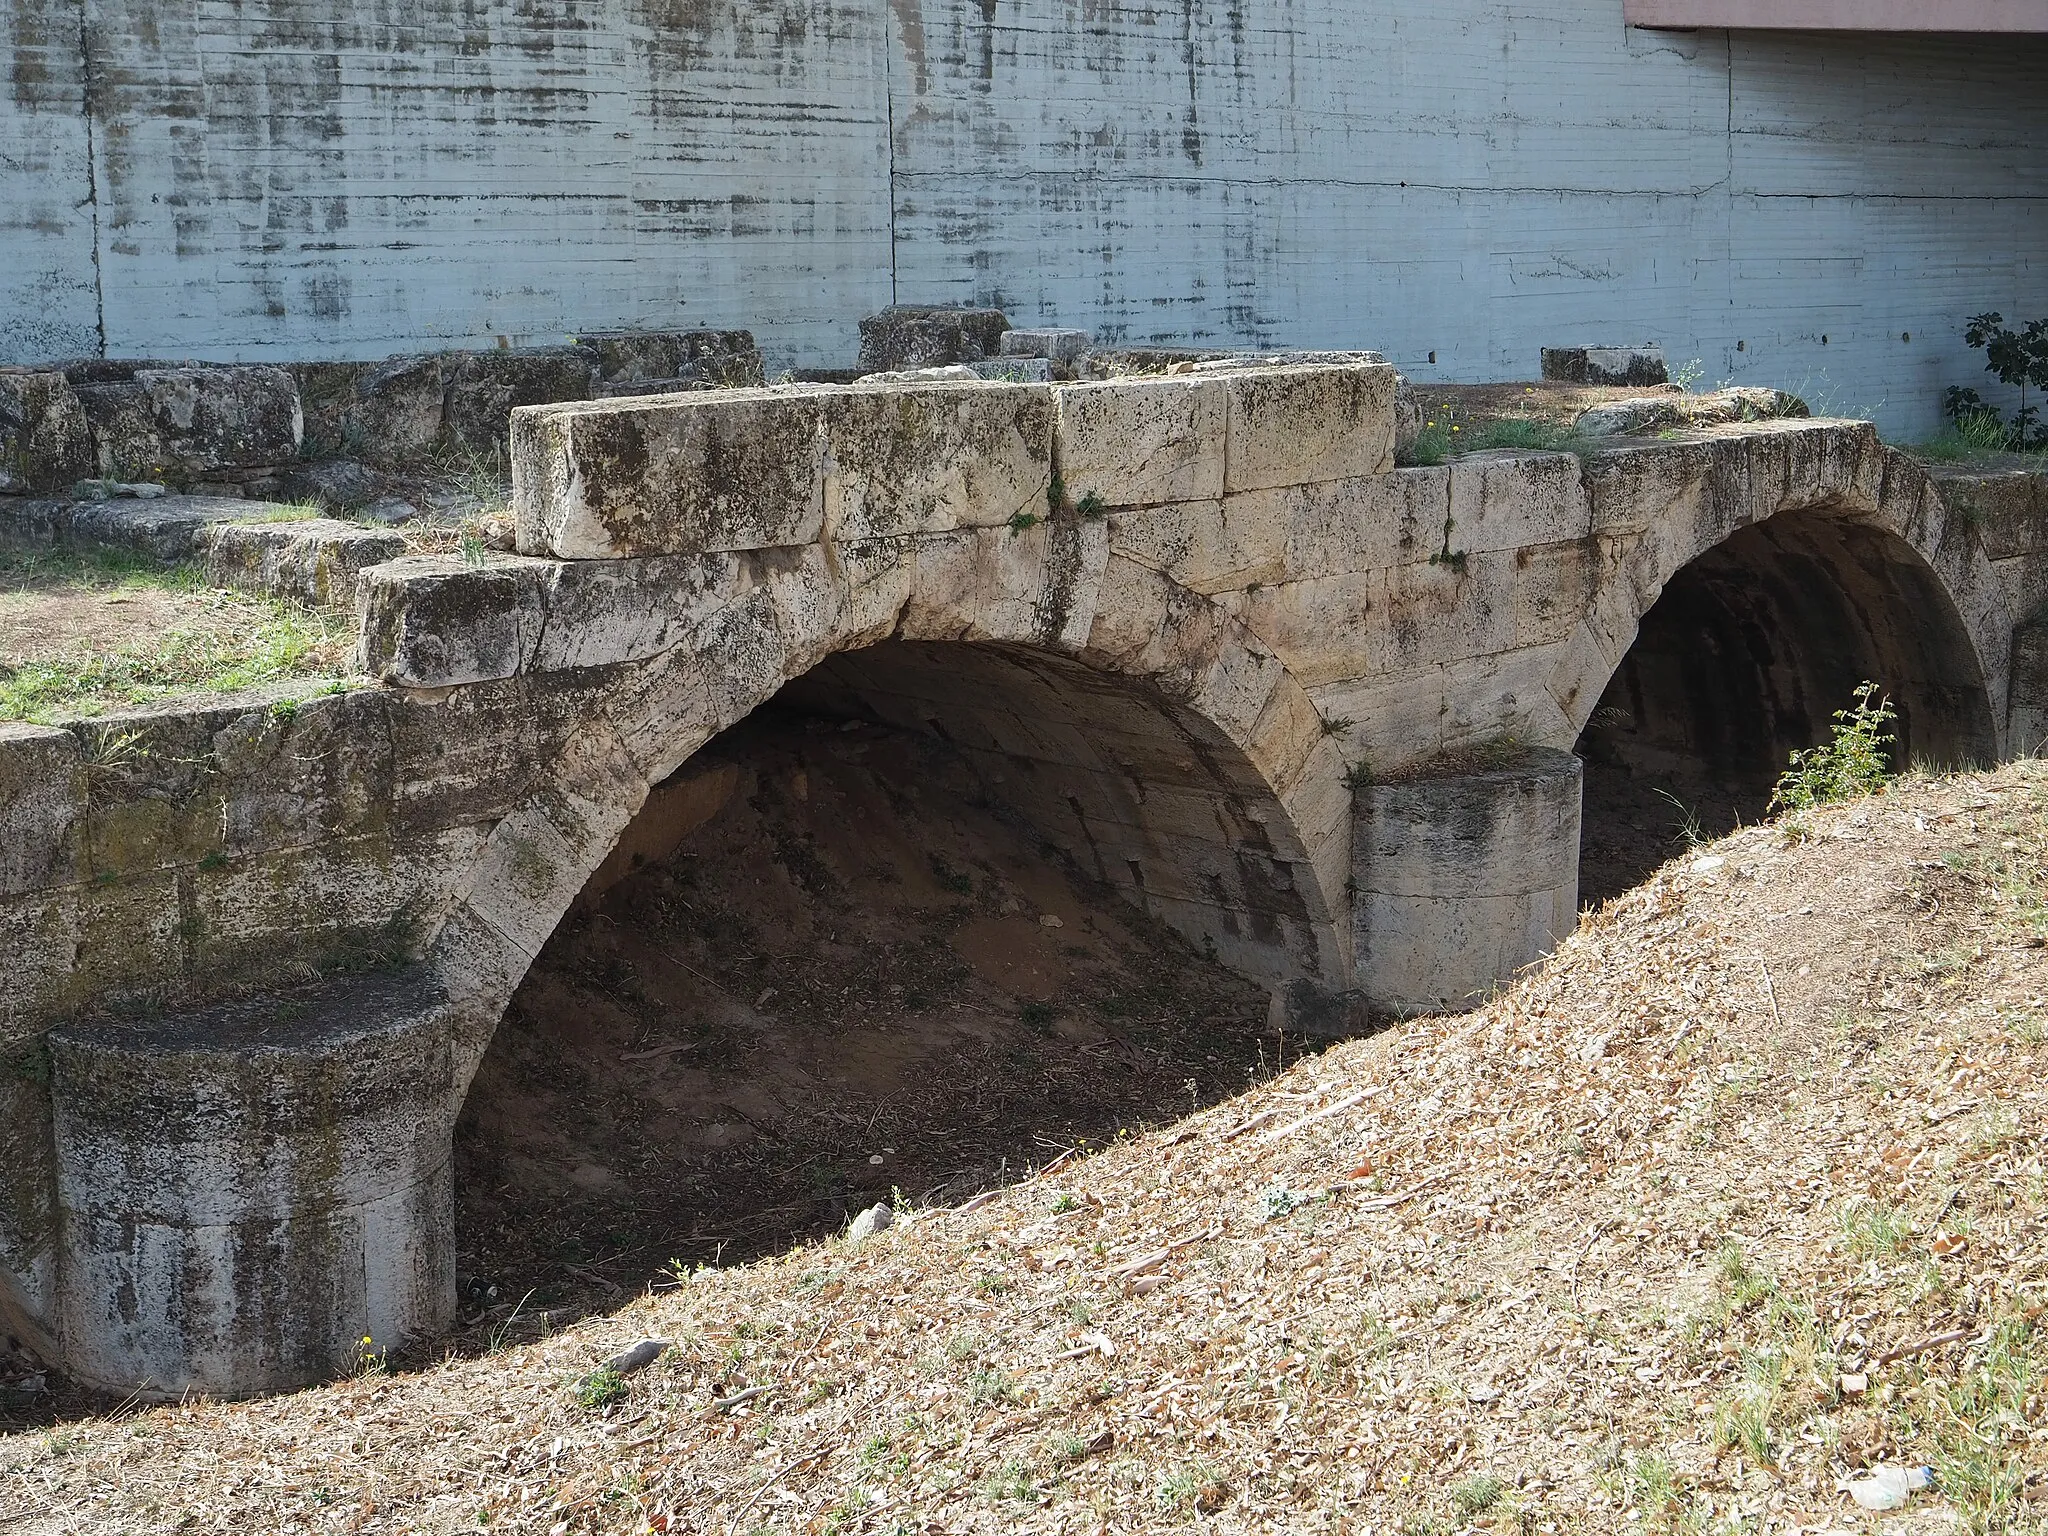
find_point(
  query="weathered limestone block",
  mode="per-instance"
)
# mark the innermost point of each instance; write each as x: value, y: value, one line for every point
x: 921, y: 336
x: 45, y: 441
x: 1509, y: 499
x: 86, y: 946
x: 699, y: 359
x: 1653, y: 413
x: 1612, y: 367
x: 400, y: 410
x: 167, y: 528
x: 1062, y: 348
x: 435, y: 621
x: 2007, y: 508
x: 1010, y: 370
x: 178, y: 424
x: 933, y: 460
x: 42, y: 808
x: 1293, y: 426
x: 1358, y: 524
x: 314, y: 560
x: 1463, y: 878
x: 485, y: 387
x: 756, y: 469
x: 1141, y: 442
x: 251, y: 1191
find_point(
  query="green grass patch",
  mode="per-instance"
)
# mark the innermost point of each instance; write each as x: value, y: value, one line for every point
x: 229, y: 643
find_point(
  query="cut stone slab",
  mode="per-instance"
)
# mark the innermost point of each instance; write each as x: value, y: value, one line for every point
x: 1654, y: 413
x: 45, y: 441
x: 186, y: 423
x: 683, y: 359
x: 166, y: 528
x: 1015, y: 370
x: 400, y: 409
x: 314, y: 561
x: 1143, y: 441
x: 434, y: 621
x: 756, y: 469
x: 929, y: 336
x: 1622, y: 367
x: 1054, y: 344
x: 1297, y: 425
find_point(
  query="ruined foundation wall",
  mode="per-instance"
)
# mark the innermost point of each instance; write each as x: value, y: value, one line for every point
x: 1456, y: 184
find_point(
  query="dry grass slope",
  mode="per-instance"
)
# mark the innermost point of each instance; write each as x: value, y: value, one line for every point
x: 1744, y: 1189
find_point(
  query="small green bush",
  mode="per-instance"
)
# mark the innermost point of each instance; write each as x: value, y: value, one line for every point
x: 601, y: 1388
x: 1854, y: 761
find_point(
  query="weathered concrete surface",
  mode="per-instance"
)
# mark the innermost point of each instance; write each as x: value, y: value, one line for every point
x: 1187, y: 675
x: 1773, y: 205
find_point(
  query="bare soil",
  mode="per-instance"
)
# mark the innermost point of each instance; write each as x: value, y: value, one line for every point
x: 54, y: 606
x: 854, y: 981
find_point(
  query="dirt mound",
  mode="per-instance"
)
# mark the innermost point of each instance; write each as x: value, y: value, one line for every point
x: 823, y: 972
x: 1744, y: 1191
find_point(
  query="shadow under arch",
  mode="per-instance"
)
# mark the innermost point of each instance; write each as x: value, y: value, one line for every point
x: 1744, y: 658
x: 663, y: 1008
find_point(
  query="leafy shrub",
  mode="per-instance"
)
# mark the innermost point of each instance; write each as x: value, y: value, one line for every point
x: 1854, y: 761
x: 2014, y: 357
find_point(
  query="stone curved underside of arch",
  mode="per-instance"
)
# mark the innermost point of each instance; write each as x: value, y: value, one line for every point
x: 1315, y: 708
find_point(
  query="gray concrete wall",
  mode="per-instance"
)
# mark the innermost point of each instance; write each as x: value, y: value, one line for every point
x: 1462, y: 181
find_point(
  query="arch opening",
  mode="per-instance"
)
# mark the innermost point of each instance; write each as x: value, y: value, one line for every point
x: 934, y: 912
x: 1743, y: 659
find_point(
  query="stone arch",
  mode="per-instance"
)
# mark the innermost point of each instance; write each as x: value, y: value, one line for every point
x: 1043, y: 611
x: 1847, y: 506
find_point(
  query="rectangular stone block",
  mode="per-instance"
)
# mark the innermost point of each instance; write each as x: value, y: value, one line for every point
x: 42, y: 808
x: 935, y: 458
x: 1397, y: 718
x: 1438, y: 612
x: 1200, y: 546
x: 313, y: 560
x: 434, y: 621
x: 1143, y: 441
x: 45, y: 443
x: 182, y: 423
x: 1487, y: 698
x: 2009, y: 509
x: 1294, y: 426
x: 759, y: 469
x: 465, y: 756
x: 1508, y: 499
x: 345, y: 900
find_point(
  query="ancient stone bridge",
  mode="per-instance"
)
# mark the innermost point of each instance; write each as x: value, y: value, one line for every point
x: 1314, y: 711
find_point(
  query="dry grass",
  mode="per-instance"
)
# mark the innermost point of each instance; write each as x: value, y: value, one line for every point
x: 1656, y: 1241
